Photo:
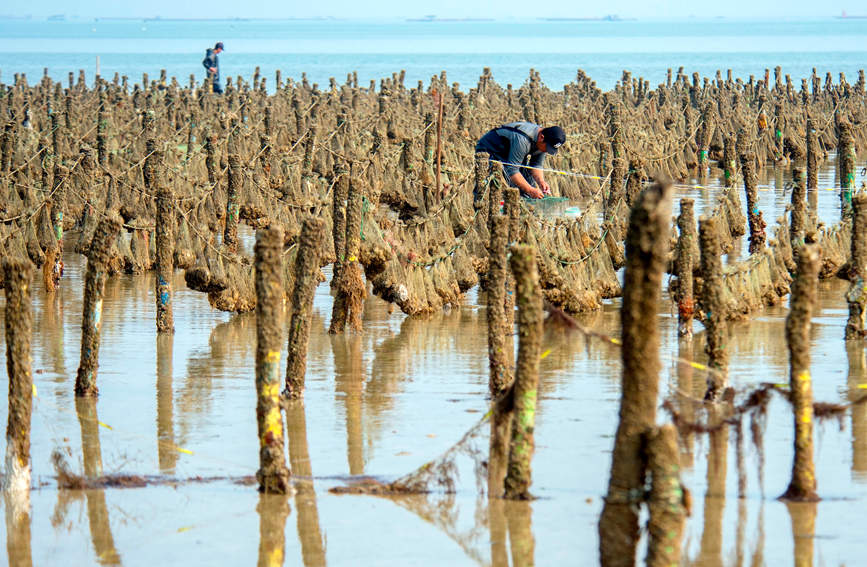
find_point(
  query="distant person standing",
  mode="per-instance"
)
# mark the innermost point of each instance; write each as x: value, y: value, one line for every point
x: 521, y: 148
x: 211, y: 63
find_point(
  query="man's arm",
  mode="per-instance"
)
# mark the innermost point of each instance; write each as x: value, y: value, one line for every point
x: 518, y: 180
x: 209, y: 64
x: 537, y: 161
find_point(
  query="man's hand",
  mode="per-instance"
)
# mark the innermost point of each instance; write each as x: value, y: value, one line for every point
x: 533, y: 192
x: 212, y: 69
x: 540, y: 181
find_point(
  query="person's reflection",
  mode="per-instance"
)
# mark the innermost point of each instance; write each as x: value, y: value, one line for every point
x: 97, y: 511
x: 166, y: 453
x: 349, y: 385
x: 519, y: 515
x: 273, y: 510
x: 309, y: 532
x: 710, y: 553
x: 858, y: 378
x: 803, y: 516
x: 18, y: 528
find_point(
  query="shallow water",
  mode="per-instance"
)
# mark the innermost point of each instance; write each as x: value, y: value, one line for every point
x: 383, y: 403
x: 377, y: 48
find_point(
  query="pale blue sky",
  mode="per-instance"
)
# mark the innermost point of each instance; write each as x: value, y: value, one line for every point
x: 452, y: 8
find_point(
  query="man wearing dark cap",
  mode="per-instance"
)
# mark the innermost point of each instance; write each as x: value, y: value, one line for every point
x: 211, y: 63
x: 521, y: 147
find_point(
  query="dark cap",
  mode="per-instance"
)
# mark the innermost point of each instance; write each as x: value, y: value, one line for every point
x: 219, y: 45
x: 554, y: 138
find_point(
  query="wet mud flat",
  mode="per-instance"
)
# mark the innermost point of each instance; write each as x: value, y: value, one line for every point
x: 166, y: 203
x: 385, y: 402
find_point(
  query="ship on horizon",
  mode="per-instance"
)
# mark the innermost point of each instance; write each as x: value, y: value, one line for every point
x: 434, y: 18
x: 606, y: 18
x: 845, y: 16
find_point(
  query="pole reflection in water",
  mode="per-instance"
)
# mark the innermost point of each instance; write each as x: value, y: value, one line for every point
x: 857, y: 379
x: 230, y: 346
x: 803, y: 516
x: 498, y: 528
x: 166, y: 453
x: 50, y: 321
x: 97, y: 511
x: 349, y: 381
x: 18, y: 529
x: 273, y: 510
x: 758, y: 559
x: 309, y: 532
x: 686, y: 409
x: 714, y: 499
x: 519, y: 514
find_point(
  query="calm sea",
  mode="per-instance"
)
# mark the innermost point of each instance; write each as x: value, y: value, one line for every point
x: 375, y: 49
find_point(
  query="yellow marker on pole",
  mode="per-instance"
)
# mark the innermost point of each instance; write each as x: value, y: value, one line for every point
x: 545, y: 354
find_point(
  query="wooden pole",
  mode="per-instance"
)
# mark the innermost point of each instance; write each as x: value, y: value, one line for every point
x: 646, y: 252
x: 273, y: 475
x: 530, y: 318
x: 306, y: 272
x: 91, y: 320
x: 856, y: 297
x: 804, y: 291
x: 17, y: 282
x: 165, y: 248
x: 440, y: 105
x: 687, y: 250
x: 230, y: 236
x: 711, y: 303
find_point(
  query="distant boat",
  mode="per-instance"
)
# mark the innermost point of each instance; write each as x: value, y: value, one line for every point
x: 432, y: 18
x: 56, y: 18
x: 608, y: 18
x: 845, y: 16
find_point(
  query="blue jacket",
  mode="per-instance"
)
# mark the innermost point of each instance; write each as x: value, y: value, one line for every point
x: 211, y: 60
x: 513, y: 143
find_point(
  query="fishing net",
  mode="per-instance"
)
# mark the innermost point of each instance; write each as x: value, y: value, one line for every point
x: 439, y: 477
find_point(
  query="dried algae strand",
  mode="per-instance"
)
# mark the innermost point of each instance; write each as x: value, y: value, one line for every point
x: 91, y: 319
x: 273, y: 475
x: 165, y: 248
x: 685, y: 261
x: 856, y: 297
x: 646, y: 253
x: 18, y: 285
x: 804, y: 296
x: 306, y: 272
x: 530, y: 320
x: 667, y: 499
x: 713, y: 305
